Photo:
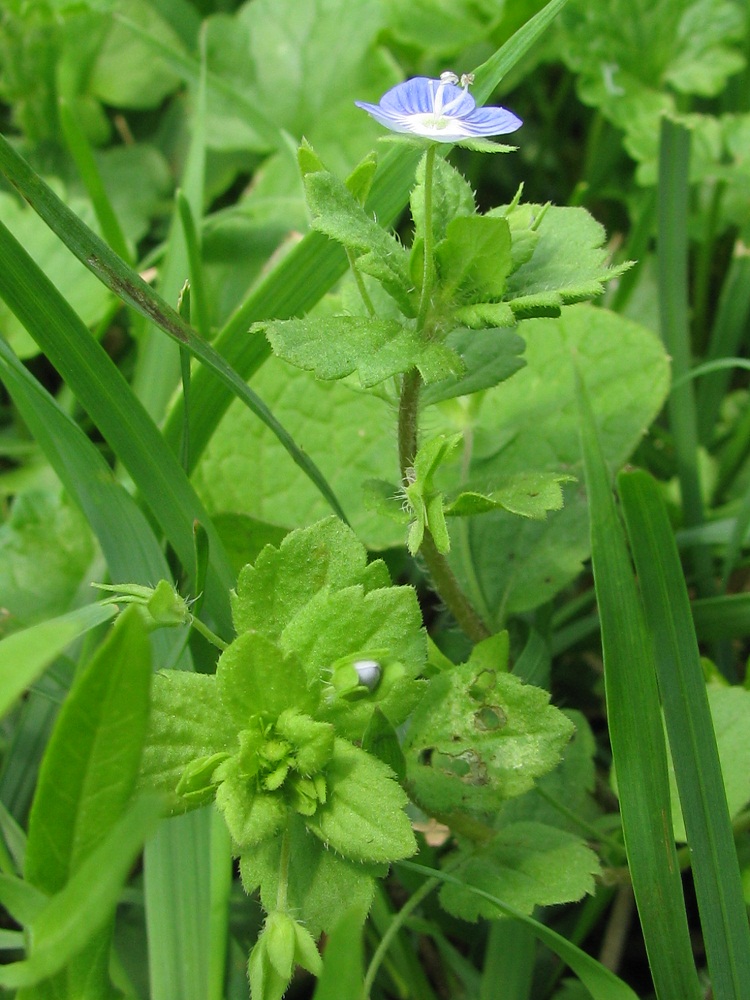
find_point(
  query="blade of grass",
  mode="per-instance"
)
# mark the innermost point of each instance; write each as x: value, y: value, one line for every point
x: 25, y: 655
x: 636, y: 734
x: 80, y: 149
x: 691, y: 737
x: 178, y: 907
x: 728, y: 332
x: 108, y: 399
x: 159, y: 362
x: 672, y: 263
x: 309, y: 270
x: 198, y: 304
x: 130, y: 287
x: 724, y: 617
x: 600, y: 982
x: 130, y: 547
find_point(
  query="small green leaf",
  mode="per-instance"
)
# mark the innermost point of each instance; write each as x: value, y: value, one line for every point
x: 480, y: 736
x: 531, y: 495
x: 188, y: 724
x: 335, y: 346
x: 485, y: 146
x: 337, y: 213
x: 451, y: 197
x: 321, y: 883
x: 91, y: 762
x: 474, y: 259
x: 364, y: 816
x: 255, y: 677
x: 526, y: 865
x: 285, y: 578
x: 425, y: 501
x: 384, y: 624
x: 490, y: 357
x: 360, y: 179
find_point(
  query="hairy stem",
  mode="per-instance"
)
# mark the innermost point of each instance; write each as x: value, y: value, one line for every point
x: 281, y: 894
x: 428, y: 272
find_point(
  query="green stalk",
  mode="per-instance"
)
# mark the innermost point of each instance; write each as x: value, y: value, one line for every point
x: 395, y: 926
x: 428, y: 273
x: 443, y: 577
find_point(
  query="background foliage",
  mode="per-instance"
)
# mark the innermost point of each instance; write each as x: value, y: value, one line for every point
x: 149, y: 436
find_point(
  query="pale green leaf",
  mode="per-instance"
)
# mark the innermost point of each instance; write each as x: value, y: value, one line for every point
x: 188, y: 722
x: 480, y: 736
x: 283, y: 580
x: 336, y: 346
x: 526, y: 865
x: 517, y: 564
x: 364, y: 816
x: 321, y: 884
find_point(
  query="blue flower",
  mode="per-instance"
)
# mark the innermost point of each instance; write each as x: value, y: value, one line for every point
x: 439, y: 110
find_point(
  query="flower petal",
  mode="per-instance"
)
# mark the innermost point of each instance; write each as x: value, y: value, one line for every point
x: 438, y: 110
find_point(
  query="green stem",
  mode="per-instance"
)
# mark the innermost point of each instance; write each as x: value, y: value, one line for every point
x: 395, y: 926
x: 408, y: 422
x: 281, y: 895
x: 360, y: 282
x: 443, y: 578
x: 449, y: 589
x: 428, y: 273
x: 206, y: 632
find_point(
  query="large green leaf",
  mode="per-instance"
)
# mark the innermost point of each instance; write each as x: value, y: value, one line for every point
x: 529, y: 423
x: 46, y: 550
x: 526, y: 864
x: 88, y: 775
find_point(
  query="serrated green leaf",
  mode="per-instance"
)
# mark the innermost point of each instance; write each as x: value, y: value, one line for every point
x: 338, y: 214
x: 188, y: 723
x: 364, y: 816
x: 283, y: 580
x: 336, y: 346
x: 531, y: 495
x: 474, y: 259
x: 486, y: 146
x: 526, y: 865
x: 479, y: 315
x: 452, y: 197
x: 568, y: 264
x: 490, y: 357
x: 384, y: 624
x: 480, y: 736
x: 565, y: 795
x: 321, y: 883
x: 255, y: 677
